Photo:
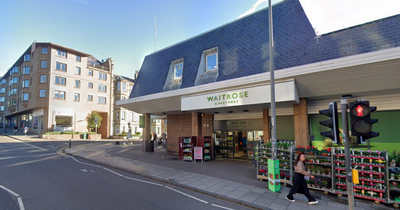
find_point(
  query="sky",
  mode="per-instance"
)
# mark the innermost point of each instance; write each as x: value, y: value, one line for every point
x: 124, y: 29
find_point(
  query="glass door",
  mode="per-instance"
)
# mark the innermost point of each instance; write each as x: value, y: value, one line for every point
x: 220, y: 144
x: 249, y: 145
x: 231, y: 144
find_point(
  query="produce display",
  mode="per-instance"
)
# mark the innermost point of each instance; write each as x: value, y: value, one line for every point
x: 379, y: 171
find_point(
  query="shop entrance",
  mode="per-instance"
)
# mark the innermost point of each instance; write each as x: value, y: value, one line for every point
x: 236, y: 144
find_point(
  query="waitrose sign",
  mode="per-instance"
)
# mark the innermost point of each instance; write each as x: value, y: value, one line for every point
x: 253, y: 95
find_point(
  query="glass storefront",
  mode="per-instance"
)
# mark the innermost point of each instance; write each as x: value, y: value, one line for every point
x: 236, y: 144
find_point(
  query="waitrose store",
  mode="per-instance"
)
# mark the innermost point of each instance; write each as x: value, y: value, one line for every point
x: 217, y: 83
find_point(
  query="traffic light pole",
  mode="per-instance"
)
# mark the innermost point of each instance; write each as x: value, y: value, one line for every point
x: 349, y: 174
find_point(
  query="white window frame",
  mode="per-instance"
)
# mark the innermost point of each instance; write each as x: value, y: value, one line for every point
x: 78, y: 70
x: 90, y: 83
x: 175, y: 70
x: 23, y: 83
x: 105, y: 99
x: 79, y: 96
x: 90, y: 97
x: 61, y: 65
x: 62, y: 53
x: 90, y: 73
x: 43, y: 76
x: 42, y: 91
x: 59, y: 94
x: 43, y: 64
x: 100, y: 89
x: 78, y: 58
x: 60, y: 79
x: 77, y: 84
x: 45, y: 51
x: 118, y: 86
x: 216, y: 59
x: 24, y: 71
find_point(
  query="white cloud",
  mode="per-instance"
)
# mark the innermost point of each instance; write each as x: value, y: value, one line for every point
x: 253, y: 8
x: 332, y: 15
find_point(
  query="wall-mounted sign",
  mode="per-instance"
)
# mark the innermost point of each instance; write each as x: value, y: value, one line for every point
x: 141, y: 121
x: 38, y: 112
x: 285, y: 91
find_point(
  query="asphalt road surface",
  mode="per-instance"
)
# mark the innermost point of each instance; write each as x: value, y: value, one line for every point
x: 36, y: 176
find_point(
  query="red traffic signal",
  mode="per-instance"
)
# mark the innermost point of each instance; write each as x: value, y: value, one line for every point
x: 360, y: 119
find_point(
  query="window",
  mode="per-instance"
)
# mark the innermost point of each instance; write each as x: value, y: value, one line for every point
x: 3, y: 81
x: 59, y: 94
x: 118, y: 86
x: 102, y: 76
x: 1, y: 108
x: 90, y: 73
x: 61, y: 81
x: 123, y: 88
x: 78, y: 70
x: 61, y: 66
x: 122, y: 115
x: 78, y: 58
x: 25, y: 84
x: 44, y: 50
x: 42, y: 93
x: 3, y: 90
x: 62, y: 53
x: 123, y: 98
x: 90, y: 85
x: 15, y: 69
x: 178, y: 71
x: 2, y: 99
x: 102, y: 88
x: 90, y: 98
x: 43, y: 64
x: 27, y: 70
x: 117, y: 129
x: 25, y: 96
x: 117, y: 115
x: 43, y: 78
x: 212, y: 62
x: 77, y: 83
x: 102, y: 100
x: 27, y: 57
x: 15, y: 80
x: 76, y: 97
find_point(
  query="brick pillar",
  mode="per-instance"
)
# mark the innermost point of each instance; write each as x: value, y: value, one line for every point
x: 146, y: 131
x: 196, y: 124
x: 266, y: 122
x: 301, y: 130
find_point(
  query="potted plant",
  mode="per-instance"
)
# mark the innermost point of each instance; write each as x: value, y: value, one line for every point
x: 300, y: 150
x: 325, y: 151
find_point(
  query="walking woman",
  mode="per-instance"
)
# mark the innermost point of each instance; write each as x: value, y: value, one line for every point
x: 299, y: 184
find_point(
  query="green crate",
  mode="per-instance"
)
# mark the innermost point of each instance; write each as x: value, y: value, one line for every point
x: 273, y: 175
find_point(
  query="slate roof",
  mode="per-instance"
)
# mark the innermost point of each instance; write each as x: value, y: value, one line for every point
x: 243, y: 47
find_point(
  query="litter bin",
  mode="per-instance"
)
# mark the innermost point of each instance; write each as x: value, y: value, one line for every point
x: 149, y: 146
x: 84, y: 135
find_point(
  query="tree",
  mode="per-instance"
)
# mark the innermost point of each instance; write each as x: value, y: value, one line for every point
x: 90, y: 119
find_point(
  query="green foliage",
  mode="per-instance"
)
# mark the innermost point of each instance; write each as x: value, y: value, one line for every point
x: 138, y: 133
x: 327, y: 143
x: 62, y: 133
x: 90, y: 119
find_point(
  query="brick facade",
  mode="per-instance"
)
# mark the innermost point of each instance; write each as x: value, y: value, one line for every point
x: 178, y: 125
x: 266, y: 122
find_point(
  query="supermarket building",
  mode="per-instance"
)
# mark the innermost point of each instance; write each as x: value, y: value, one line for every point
x: 218, y: 83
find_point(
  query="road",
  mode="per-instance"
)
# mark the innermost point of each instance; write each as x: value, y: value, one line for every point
x: 37, y: 176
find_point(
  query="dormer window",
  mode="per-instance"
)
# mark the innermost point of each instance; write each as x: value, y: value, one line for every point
x: 212, y: 62
x: 174, y: 77
x: 178, y: 71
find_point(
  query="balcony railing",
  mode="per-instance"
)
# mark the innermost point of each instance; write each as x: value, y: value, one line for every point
x: 98, y: 66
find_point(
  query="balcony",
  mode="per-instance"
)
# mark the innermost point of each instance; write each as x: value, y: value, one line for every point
x: 98, y: 66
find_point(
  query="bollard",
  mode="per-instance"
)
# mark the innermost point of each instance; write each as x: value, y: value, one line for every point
x: 70, y: 143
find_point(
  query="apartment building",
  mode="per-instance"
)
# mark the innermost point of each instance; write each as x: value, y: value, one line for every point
x: 124, y: 120
x: 54, y: 88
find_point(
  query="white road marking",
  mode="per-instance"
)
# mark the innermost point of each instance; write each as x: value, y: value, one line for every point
x: 186, y: 195
x: 75, y: 159
x: 90, y: 165
x: 20, y: 203
x: 143, y: 181
x: 10, y: 191
x: 222, y: 207
x: 113, y: 172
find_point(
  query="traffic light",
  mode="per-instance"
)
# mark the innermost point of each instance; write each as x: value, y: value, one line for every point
x: 360, y: 120
x: 331, y: 123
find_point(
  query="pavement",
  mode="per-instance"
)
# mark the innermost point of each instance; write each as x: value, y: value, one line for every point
x: 231, y: 180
